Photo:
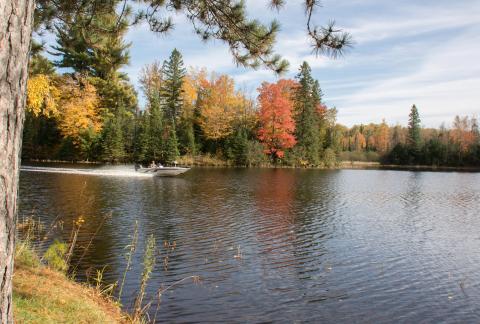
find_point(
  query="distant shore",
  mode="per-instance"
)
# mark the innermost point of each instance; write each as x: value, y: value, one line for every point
x: 342, y: 165
x: 379, y: 166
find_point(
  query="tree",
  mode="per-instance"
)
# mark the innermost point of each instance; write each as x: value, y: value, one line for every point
x: 277, y: 123
x: 112, y: 140
x: 152, y: 144
x: 218, y: 107
x: 78, y: 108
x: 93, y: 45
x: 42, y: 96
x: 414, y: 137
x: 382, y: 138
x: 16, y: 22
x: 170, y: 151
x: 172, y: 86
x: 307, y: 118
x: 250, y: 42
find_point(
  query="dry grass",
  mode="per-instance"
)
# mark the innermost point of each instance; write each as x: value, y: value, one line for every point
x: 42, y: 295
x: 202, y: 160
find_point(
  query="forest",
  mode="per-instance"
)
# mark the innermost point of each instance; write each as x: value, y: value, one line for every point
x: 91, y: 113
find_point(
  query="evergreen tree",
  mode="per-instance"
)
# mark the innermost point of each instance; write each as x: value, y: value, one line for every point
x: 94, y: 47
x: 112, y: 140
x: 171, y: 90
x: 414, y: 127
x: 170, y: 152
x: 307, y: 98
x: 155, y: 131
x: 98, y: 50
x: 238, y: 146
x: 186, y: 136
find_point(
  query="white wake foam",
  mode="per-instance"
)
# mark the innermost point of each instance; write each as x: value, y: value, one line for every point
x: 91, y: 172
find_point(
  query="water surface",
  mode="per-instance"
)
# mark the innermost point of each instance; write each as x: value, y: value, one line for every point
x: 281, y: 245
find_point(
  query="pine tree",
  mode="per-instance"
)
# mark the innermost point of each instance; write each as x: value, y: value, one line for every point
x: 414, y: 137
x: 113, y: 141
x: 171, y: 90
x: 237, y: 146
x: 307, y: 98
x: 170, y: 152
x: 155, y: 131
x: 186, y: 136
x: 98, y: 50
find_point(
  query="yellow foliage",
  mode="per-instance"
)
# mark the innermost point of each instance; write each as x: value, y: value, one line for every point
x: 42, y: 96
x: 73, y: 103
x: 219, y: 107
x: 79, y: 108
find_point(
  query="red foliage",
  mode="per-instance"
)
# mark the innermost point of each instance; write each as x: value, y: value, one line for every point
x: 277, y: 123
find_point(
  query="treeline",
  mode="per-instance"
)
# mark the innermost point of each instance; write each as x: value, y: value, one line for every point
x: 88, y: 113
x: 92, y: 113
x: 458, y: 145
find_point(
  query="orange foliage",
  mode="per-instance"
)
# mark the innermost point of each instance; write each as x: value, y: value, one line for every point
x: 219, y: 107
x: 277, y: 123
x: 382, y: 137
x: 462, y: 133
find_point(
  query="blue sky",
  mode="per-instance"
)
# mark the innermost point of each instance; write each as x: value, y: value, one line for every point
x: 424, y: 52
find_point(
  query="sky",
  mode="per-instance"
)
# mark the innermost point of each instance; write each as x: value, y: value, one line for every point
x: 405, y: 52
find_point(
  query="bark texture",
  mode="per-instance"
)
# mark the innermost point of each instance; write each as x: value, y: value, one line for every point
x: 16, y: 20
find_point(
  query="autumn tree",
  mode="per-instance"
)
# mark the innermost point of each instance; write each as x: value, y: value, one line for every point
x: 276, y: 118
x: 382, y: 137
x: 218, y: 107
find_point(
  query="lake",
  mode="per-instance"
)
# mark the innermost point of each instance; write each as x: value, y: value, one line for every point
x: 279, y: 245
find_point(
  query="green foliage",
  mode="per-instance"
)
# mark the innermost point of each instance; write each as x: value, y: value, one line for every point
x: 25, y: 255
x: 170, y: 152
x: 307, y: 119
x: 113, y: 145
x: 173, y: 73
x: 93, y: 45
x: 39, y: 64
x: 414, y: 137
x: 329, y: 158
x: 186, y: 137
x: 55, y: 256
x: 237, y: 147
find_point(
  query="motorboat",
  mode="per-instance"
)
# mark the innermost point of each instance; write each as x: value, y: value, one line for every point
x: 162, y: 171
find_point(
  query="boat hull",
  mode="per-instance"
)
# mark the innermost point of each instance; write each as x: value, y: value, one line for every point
x: 163, y: 172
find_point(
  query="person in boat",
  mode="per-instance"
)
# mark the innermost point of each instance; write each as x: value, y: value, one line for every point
x: 152, y: 165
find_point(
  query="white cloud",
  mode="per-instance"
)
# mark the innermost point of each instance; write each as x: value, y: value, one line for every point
x: 446, y: 83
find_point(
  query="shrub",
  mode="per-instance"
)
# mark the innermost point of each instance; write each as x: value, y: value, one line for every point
x: 55, y: 256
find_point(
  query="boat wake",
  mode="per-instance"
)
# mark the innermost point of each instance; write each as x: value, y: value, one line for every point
x: 91, y: 172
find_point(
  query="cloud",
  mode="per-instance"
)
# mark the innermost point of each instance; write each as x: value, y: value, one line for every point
x: 424, y: 52
x: 445, y: 83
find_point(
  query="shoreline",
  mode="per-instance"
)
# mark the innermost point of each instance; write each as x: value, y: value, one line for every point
x: 342, y: 165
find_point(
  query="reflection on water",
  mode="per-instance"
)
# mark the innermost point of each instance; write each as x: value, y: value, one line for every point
x: 316, y: 246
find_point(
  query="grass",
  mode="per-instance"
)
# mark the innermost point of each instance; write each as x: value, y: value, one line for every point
x: 43, y: 295
x: 202, y: 160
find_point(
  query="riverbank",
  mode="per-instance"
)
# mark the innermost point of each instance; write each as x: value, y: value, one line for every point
x: 43, y: 295
x: 211, y: 161
x: 378, y: 166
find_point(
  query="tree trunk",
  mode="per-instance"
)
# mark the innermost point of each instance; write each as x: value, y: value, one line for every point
x: 16, y: 20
